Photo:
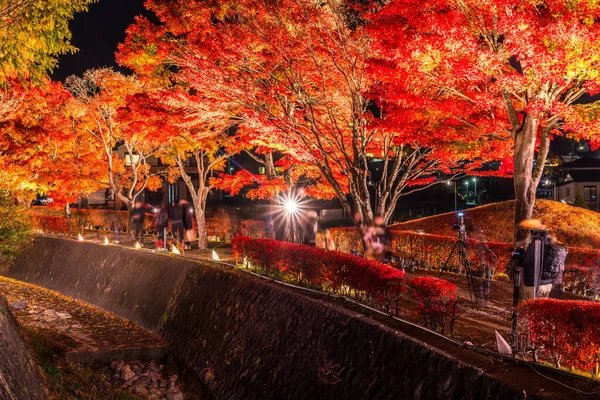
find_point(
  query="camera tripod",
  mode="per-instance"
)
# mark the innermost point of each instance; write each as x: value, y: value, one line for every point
x: 460, y: 247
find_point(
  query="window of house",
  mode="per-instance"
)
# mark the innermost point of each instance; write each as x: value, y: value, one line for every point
x: 173, y: 192
x: 568, y: 192
x: 589, y: 193
x: 132, y: 159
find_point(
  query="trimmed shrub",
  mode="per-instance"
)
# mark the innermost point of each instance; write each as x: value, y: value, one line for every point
x: 582, y: 266
x: 217, y: 229
x: 567, y: 331
x: 52, y: 224
x: 330, y: 270
x: 436, y: 300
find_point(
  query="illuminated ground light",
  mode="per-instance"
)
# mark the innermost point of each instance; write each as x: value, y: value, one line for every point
x: 215, y: 256
x: 80, y: 238
x: 106, y: 242
x: 174, y: 250
x: 137, y: 245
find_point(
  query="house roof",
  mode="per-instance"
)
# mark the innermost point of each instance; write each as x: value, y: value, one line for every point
x: 582, y: 163
x: 582, y: 176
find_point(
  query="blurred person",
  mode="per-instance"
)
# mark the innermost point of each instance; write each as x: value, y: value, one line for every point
x: 188, y: 224
x: 138, y: 215
x: 487, y: 261
x: 328, y: 240
x: 161, y: 222
x: 311, y: 225
x: 177, y: 227
x: 376, y: 239
x: 269, y: 227
x: 553, y: 261
x: 324, y: 240
x: 363, y: 232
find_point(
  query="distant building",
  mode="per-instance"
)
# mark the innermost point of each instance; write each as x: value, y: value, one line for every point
x: 582, y: 174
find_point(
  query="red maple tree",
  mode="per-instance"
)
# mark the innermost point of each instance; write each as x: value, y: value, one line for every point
x: 99, y: 95
x: 496, y: 71
x: 295, y: 74
x: 197, y: 140
x: 42, y: 153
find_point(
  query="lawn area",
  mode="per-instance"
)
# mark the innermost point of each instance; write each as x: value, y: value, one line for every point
x: 573, y: 226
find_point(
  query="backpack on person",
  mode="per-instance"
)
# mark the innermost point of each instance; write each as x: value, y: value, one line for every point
x: 554, y: 261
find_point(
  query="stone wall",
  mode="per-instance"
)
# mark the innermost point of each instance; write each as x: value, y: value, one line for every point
x: 19, y: 377
x: 132, y: 284
x: 247, y: 338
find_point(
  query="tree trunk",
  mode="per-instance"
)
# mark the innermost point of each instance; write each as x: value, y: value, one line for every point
x: 129, y: 203
x: 201, y: 222
x: 524, y: 184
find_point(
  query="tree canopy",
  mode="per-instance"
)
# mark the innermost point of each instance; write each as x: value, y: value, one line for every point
x: 499, y: 71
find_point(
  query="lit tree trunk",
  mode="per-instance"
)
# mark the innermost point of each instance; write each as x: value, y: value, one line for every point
x: 129, y: 204
x: 524, y: 184
x: 527, y: 175
x: 200, y: 193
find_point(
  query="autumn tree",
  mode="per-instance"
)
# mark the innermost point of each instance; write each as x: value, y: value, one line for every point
x: 198, y: 141
x: 499, y: 70
x: 99, y: 94
x: 42, y: 153
x: 32, y: 34
x: 295, y: 72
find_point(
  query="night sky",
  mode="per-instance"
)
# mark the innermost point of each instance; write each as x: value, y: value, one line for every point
x: 96, y: 33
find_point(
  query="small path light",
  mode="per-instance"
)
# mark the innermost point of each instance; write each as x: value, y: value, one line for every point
x: 215, y: 256
x: 174, y: 250
x: 80, y: 238
x: 137, y: 245
x: 106, y: 242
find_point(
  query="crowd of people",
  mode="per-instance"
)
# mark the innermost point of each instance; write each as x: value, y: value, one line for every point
x: 179, y: 213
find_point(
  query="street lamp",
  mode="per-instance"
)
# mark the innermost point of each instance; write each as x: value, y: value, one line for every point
x: 450, y: 182
x: 291, y: 207
x: 475, y: 184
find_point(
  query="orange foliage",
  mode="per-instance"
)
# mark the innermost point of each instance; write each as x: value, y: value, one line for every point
x: 573, y: 226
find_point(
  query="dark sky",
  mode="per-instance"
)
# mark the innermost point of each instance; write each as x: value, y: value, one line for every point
x: 96, y: 34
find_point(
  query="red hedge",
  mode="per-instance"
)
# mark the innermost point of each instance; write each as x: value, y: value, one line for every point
x: 51, y: 224
x: 568, y: 331
x: 582, y: 266
x: 329, y: 269
x: 221, y: 229
x: 436, y: 301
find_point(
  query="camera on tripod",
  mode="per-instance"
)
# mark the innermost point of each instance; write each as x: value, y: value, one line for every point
x: 460, y: 250
x: 460, y: 227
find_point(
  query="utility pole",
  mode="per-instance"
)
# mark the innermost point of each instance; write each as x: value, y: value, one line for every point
x: 455, y: 198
